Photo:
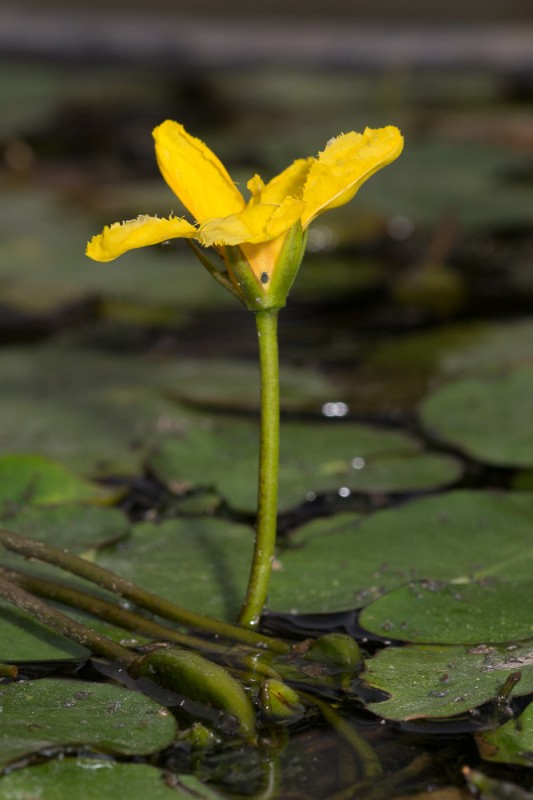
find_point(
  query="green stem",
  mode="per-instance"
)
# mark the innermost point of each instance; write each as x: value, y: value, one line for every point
x: 136, y: 594
x: 267, y: 508
x: 52, y: 618
x: 104, y: 610
x: 369, y: 763
x: 238, y: 660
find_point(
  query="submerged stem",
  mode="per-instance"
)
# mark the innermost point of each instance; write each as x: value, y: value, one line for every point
x: 267, y: 508
x: 136, y: 594
x: 104, y: 610
x: 368, y: 761
x: 52, y: 618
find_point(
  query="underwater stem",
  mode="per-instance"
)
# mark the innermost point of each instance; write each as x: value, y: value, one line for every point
x: 136, y: 594
x: 104, y: 610
x: 52, y: 618
x: 369, y: 764
x: 267, y: 504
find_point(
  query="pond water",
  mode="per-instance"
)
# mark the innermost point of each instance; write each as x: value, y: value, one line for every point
x: 128, y: 433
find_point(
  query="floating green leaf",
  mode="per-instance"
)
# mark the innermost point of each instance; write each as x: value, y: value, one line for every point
x: 98, y: 414
x: 489, y: 611
x: 487, y: 417
x: 511, y: 743
x: 466, y: 176
x: 36, y: 480
x: 200, y: 563
x: 77, y: 528
x: 22, y: 638
x: 330, y: 564
x: 106, y: 718
x: 96, y: 779
x: 324, y: 456
x: 395, y: 375
x: 43, y: 266
x: 443, y: 681
x: 74, y: 527
x: 231, y: 384
x: 25, y: 639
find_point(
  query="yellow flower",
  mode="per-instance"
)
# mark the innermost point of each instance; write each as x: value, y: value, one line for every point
x: 259, y: 233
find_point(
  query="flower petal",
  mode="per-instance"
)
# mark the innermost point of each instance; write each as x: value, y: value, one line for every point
x: 256, y: 223
x: 195, y: 174
x: 346, y: 163
x: 123, y: 236
x: 288, y: 183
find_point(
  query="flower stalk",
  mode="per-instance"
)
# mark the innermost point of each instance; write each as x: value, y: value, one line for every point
x: 267, y: 506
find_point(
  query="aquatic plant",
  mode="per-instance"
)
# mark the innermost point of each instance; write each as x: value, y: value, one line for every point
x: 260, y: 244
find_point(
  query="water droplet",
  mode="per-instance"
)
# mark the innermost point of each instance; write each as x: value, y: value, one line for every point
x: 358, y: 462
x: 400, y: 227
x: 334, y: 409
x: 344, y: 491
x: 320, y: 238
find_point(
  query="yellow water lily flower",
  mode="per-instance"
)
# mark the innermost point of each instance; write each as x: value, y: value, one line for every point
x: 260, y: 239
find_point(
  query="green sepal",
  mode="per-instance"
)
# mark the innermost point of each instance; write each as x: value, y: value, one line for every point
x: 246, y: 284
x: 214, y: 271
x: 287, y: 265
x: 270, y: 290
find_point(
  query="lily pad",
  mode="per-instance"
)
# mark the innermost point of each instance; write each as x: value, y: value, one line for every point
x: 331, y: 566
x: 78, y: 529
x: 24, y: 639
x: 43, y: 266
x: 487, y: 417
x: 200, y: 563
x: 443, y: 681
x: 106, y: 718
x: 466, y: 176
x: 73, y: 527
x: 36, y: 480
x: 395, y: 376
x: 511, y: 743
x: 97, y: 779
x: 315, y: 458
x: 453, y: 613
x: 489, y: 348
x: 98, y: 414
x: 231, y: 384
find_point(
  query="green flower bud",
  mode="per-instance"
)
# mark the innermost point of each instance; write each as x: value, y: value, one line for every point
x: 192, y: 675
x: 279, y: 702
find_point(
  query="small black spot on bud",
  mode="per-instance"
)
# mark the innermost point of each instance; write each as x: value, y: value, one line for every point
x: 264, y: 277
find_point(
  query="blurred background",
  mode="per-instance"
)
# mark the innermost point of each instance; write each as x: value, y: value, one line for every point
x: 443, y: 235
